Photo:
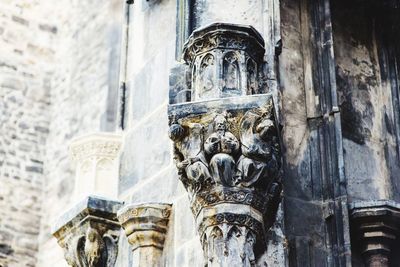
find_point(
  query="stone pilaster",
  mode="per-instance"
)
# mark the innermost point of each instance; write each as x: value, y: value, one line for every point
x: 146, y: 227
x: 376, y: 225
x: 226, y: 144
x: 96, y: 157
x: 89, y: 233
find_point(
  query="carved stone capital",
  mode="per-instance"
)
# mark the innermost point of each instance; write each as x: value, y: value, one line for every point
x: 96, y: 157
x: 228, y: 158
x: 145, y: 225
x: 377, y: 226
x: 89, y: 233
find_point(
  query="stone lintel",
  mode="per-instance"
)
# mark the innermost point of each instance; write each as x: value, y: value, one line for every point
x: 145, y: 225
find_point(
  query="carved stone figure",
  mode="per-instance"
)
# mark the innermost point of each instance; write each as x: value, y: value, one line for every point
x: 228, y: 157
x: 259, y: 155
x: 89, y: 232
x: 221, y: 146
x: 189, y: 155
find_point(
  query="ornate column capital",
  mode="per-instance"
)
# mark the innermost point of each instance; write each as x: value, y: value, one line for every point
x: 228, y: 158
x: 145, y: 225
x: 146, y: 228
x: 89, y: 233
x: 96, y: 157
x: 377, y: 225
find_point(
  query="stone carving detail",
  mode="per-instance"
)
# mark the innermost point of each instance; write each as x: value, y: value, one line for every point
x: 145, y: 226
x: 89, y: 232
x: 96, y: 157
x: 228, y: 157
x: 376, y: 225
x: 227, y: 149
x: 225, y: 61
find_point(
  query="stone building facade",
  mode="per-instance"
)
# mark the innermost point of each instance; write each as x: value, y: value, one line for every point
x: 199, y: 133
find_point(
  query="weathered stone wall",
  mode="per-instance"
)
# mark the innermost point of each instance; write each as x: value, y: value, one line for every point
x: 366, y: 101
x: 27, y: 42
x: 58, y: 79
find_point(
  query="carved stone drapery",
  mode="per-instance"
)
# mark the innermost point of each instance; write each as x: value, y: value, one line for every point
x: 228, y: 157
x: 225, y: 60
x: 96, y: 157
x: 145, y: 226
x: 376, y: 225
x: 89, y: 233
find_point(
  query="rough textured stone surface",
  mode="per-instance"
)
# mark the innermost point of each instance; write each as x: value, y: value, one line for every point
x: 26, y: 58
x: 58, y: 64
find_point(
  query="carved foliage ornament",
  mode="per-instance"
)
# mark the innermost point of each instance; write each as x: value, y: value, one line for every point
x: 228, y: 157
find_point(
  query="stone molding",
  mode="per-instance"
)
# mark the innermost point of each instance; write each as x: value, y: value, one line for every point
x: 89, y: 233
x: 376, y: 225
x: 145, y: 225
x: 96, y: 157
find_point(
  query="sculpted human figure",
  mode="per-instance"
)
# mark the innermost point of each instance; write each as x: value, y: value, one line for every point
x: 220, y: 147
x: 188, y: 154
x: 258, y: 161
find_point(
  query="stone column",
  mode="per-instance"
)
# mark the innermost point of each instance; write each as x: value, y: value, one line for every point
x: 376, y: 225
x: 226, y: 144
x: 89, y: 233
x: 146, y: 227
x: 96, y: 157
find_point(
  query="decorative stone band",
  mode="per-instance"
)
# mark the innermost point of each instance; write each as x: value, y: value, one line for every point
x: 99, y: 145
x: 231, y: 214
x: 377, y: 226
x: 224, y: 36
x: 89, y: 233
x: 145, y: 225
x: 219, y: 194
